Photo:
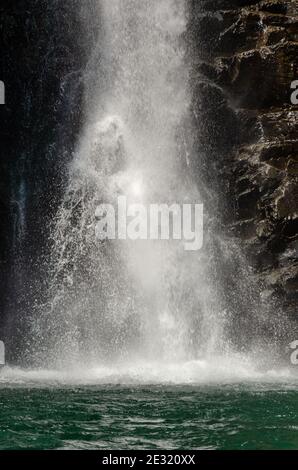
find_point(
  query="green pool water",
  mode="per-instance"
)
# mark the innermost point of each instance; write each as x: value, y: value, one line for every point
x: 238, y: 416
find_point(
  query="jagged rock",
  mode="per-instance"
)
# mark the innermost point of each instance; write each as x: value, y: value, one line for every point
x: 252, y: 60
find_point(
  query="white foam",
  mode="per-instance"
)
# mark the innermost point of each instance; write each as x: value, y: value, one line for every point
x: 199, y: 372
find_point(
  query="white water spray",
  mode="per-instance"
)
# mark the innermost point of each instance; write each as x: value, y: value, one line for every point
x: 124, y: 301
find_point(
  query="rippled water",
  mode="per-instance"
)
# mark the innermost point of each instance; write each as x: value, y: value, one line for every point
x: 50, y: 410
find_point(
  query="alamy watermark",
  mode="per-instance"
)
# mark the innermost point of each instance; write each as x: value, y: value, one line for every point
x: 151, y: 222
x: 294, y: 95
x: 294, y: 355
x: 2, y: 92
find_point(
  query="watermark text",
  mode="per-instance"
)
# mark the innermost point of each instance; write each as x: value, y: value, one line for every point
x: 151, y: 222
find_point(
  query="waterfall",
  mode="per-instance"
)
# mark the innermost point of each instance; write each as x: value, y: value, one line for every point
x: 124, y: 300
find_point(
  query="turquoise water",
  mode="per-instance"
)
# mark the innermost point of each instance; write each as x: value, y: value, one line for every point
x: 230, y: 416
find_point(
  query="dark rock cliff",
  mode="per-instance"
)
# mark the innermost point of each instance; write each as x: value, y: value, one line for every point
x: 248, y: 134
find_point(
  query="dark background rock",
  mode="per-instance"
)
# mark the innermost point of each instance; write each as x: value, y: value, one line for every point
x: 44, y: 52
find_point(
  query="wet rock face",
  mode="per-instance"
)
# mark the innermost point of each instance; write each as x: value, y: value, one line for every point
x: 247, y: 62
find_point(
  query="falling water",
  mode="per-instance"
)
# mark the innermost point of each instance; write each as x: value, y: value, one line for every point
x: 126, y: 300
x: 143, y: 303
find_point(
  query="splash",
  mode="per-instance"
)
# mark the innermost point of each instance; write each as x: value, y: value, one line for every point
x: 239, y: 369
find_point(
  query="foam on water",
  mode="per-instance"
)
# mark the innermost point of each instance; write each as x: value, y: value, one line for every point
x: 215, y: 371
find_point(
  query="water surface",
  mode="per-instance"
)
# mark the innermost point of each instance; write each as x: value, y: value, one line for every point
x: 49, y: 414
